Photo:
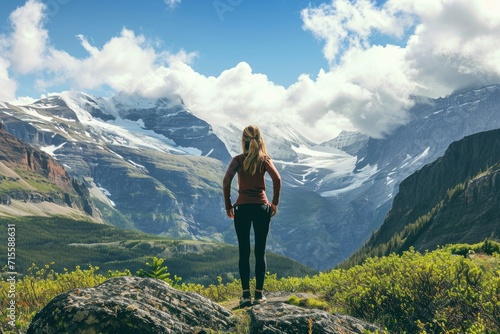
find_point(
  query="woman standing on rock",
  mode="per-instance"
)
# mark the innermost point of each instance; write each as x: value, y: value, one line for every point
x: 252, y: 206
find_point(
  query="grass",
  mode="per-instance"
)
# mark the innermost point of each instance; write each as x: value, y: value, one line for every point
x: 38, y: 181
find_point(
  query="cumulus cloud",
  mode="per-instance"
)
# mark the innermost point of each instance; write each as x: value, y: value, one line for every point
x: 9, y: 86
x: 344, y: 24
x: 126, y: 63
x: 122, y: 61
x: 379, y: 56
x: 29, y: 39
x: 438, y: 46
x: 454, y: 45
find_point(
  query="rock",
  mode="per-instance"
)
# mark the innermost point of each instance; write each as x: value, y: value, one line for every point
x: 5, y: 200
x: 281, y: 318
x: 131, y: 305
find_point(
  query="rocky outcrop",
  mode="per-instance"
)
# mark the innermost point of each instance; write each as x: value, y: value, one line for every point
x: 22, y: 155
x: 131, y: 305
x: 5, y: 200
x: 282, y: 318
x: 44, y: 171
x: 144, y: 305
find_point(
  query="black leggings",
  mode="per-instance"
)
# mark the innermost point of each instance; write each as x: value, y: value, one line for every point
x: 244, y: 215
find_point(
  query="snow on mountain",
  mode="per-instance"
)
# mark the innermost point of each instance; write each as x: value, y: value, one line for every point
x: 127, y: 101
x: 348, y: 141
x: 51, y: 149
x: 230, y: 135
x: 100, y: 120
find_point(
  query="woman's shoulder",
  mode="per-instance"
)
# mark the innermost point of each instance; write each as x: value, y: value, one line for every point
x: 267, y: 158
x: 239, y: 158
x: 266, y: 161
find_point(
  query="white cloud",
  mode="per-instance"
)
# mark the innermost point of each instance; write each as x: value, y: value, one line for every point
x: 172, y: 3
x: 442, y: 45
x: 9, y: 86
x: 370, y: 87
x: 344, y: 24
x: 237, y: 95
x: 182, y: 56
x: 23, y: 100
x: 29, y: 38
x: 454, y: 45
x: 121, y: 63
x: 126, y: 63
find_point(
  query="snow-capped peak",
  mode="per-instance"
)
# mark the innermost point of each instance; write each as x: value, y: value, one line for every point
x: 134, y: 101
x: 77, y: 102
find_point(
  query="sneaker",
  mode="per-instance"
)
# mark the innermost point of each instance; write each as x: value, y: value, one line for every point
x: 245, y: 302
x: 259, y: 299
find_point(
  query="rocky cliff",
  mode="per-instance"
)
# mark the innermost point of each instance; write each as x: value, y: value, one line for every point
x: 18, y: 154
x: 30, y: 175
x: 472, y: 161
x: 452, y: 200
x: 142, y: 305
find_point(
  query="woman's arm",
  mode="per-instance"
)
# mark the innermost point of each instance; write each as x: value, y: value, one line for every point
x: 226, y: 183
x: 276, y: 178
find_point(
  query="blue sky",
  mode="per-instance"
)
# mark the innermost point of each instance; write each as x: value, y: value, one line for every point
x: 323, y: 66
x: 266, y: 34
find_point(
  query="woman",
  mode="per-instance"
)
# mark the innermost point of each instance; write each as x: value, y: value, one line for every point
x: 252, y: 206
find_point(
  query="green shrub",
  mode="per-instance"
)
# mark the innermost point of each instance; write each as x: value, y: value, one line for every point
x: 38, y: 287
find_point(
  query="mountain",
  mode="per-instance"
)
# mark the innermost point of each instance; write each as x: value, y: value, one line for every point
x: 159, y: 167
x: 455, y: 199
x: 348, y: 141
x: 434, y: 124
x: 33, y: 183
x: 158, y: 185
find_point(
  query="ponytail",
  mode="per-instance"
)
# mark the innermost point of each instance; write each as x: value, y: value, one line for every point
x: 253, y: 148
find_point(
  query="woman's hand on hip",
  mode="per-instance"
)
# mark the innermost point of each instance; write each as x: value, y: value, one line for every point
x: 274, y: 210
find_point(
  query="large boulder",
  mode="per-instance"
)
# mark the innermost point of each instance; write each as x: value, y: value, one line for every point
x: 281, y: 318
x: 130, y: 305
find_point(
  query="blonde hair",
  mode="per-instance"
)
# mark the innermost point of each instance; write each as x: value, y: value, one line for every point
x: 254, y: 149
